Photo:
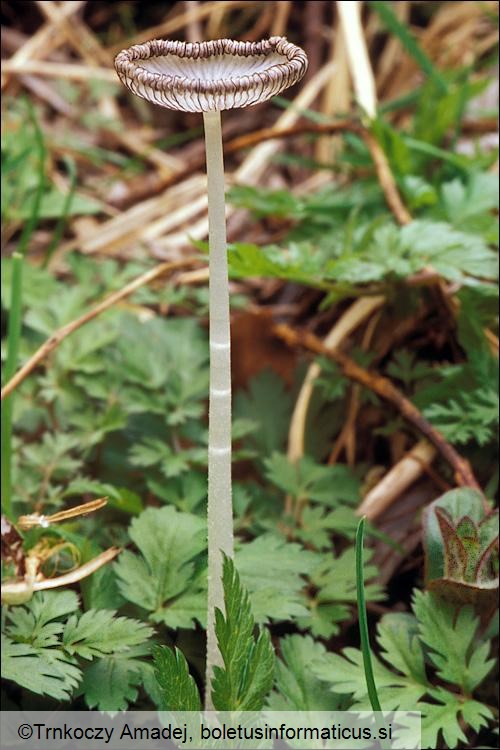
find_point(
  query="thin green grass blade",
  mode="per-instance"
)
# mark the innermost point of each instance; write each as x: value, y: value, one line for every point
x: 363, y: 621
x: 61, y: 223
x: 394, y: 25
x: 15, y: 320
x: 35, y: 213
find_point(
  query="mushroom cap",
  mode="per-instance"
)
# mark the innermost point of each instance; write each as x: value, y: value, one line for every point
x: 208, y: 76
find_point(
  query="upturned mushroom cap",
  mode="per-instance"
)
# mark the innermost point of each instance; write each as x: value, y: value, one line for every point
x: 208, y: 76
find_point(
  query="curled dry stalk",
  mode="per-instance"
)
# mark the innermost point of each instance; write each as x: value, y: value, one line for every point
x: 20, y: 591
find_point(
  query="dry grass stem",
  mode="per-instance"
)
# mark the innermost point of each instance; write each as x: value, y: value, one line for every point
x: 397, y: 480
x: 61, y: 70
x: 357, y: 53
x: 350, y: 320
x: 167, y: 28
x: 35, y: 519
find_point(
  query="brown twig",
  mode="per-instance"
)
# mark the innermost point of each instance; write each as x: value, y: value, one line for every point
x: 48, y: 346
x: 386, y: 390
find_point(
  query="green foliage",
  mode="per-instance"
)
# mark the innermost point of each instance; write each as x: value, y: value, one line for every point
x: 46, y: 654
x: 328, y: 485
x: 20, y: 178
x: 167, y: 578
x: 334, y: 581
x: 380, y: 253
x: 178, y: 688
x: 457, y: 653
x: 246, y: 678
x: 464, y: 404
x: 111, y: 684
x: 273, y: 572
x: 297, y: 688
x: 401, y: 32
x: 268, y: 404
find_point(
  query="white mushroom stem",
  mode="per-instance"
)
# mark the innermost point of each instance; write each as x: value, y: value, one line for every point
x: 220, y: 513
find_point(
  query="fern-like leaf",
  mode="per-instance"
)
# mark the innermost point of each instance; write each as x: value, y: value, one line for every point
x: 247, y: 676
x: 178, y: 688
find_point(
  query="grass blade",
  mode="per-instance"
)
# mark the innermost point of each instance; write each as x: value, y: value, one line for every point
x: 15, y: 320
x: 394, y: 25
x: 61, y: 223
x: 363, y: 622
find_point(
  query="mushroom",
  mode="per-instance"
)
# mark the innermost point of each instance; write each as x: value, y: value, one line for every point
x: 209, y: 77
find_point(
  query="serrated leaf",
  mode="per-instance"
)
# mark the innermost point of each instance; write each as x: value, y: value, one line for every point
x: 401, y: 647
x: 345, y: 673
x: 247, y: 676
x: 469, y: 416
x: 297, y: 688
x: 157, y: 352
x: 272, y: 570
x: 43, y: 671
x: 170, y: 545
x: 307, y: 479
x: 454, y: 254
x: 34, y: 622
x: 101, y: 632
x: 334, y: 583
x: 111, y: 683
x: 449, y: 634
x: 177, y: 687
x: 443, y: 716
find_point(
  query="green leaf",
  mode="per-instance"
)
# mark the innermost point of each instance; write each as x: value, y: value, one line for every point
x: 162, y: 578
x: 443, y: 716
x: 120, y: 498
x: 45, y: 671
x: 306, y: 479
x: 450, y: 637
x: 34, y: 622
x: 268, y: 404
x: 334, y: 581
x: 261, y: 202
x: 272, y: 570
x: 468, y: 206
x: 158, y: 352
x: 455, y: 255
x: 297, y: 688
x: 472, y: 415
x: 111, y: 683
x: 247, y: 676
x: 100, y: 632
x: 400, y: 30
x: 401, y: 647
x: 45, y: 662
x: 345, y: 673
x: 53, y: 205
x: 178, y: 688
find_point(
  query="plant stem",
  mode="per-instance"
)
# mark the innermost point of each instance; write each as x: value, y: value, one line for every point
x: 220, y: 514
